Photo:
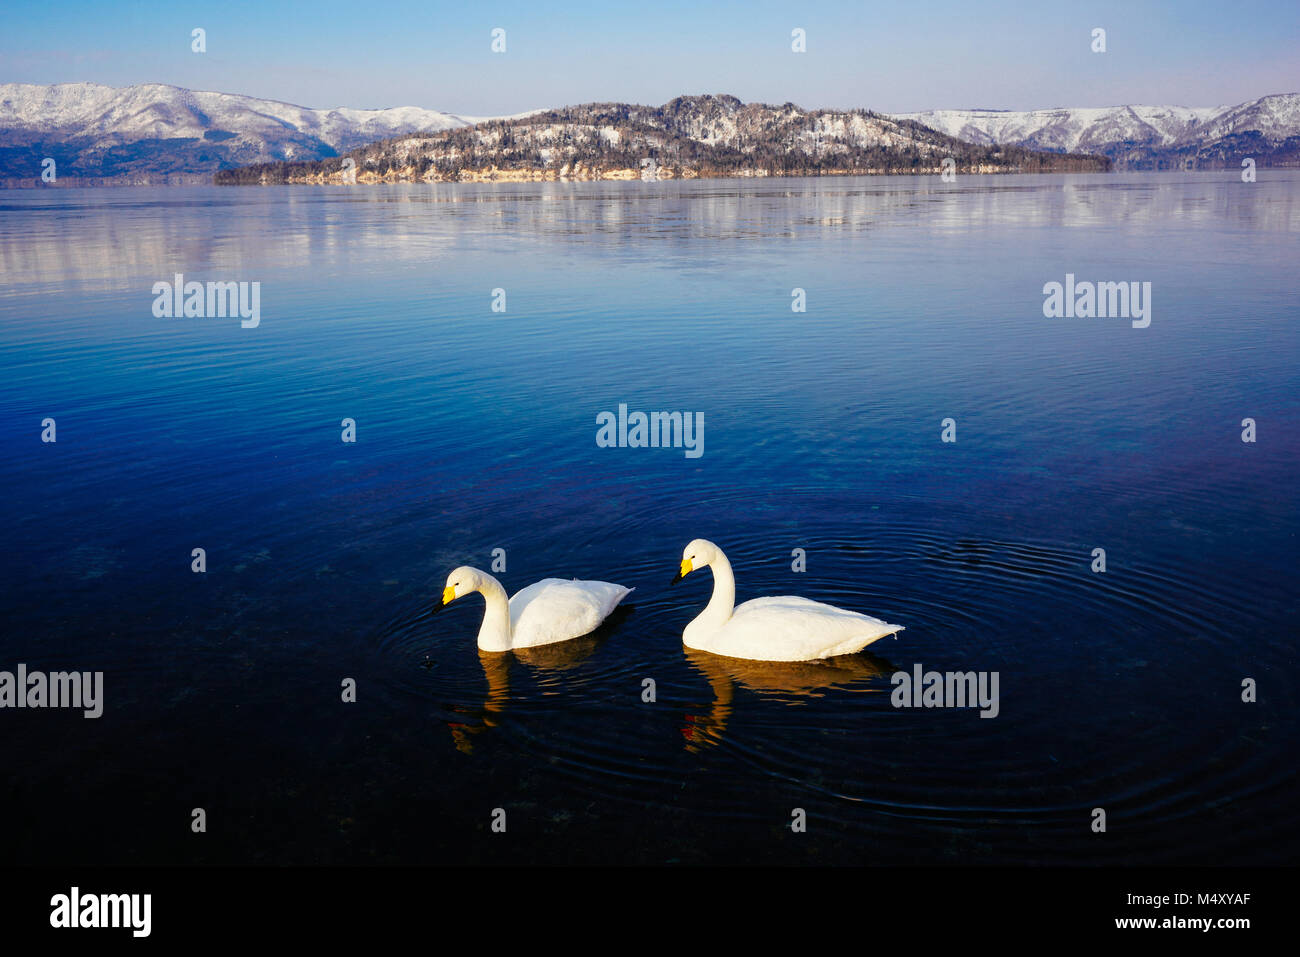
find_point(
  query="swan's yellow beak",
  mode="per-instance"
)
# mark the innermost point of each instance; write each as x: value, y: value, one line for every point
x: 448, y: 596
x: 685, y: 570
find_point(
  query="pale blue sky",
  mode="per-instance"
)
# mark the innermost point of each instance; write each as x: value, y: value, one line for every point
x: 892, y: 57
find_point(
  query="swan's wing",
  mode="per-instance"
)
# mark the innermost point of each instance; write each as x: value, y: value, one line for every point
x: 786, y: 628
x: 556, y: 610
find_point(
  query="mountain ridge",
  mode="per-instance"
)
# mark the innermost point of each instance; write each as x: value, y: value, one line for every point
x: 1140, y: 136
x: 158, y: 133
x: 156, y: 130
x: 708, y: 135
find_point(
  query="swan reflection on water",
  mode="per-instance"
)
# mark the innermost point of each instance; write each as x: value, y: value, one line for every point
x: 788, y: 680
x: 781, y: 682
x: 543, y: 659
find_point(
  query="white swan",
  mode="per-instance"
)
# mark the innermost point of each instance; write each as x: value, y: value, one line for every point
x: 548, y: 611
x: 770, y: 629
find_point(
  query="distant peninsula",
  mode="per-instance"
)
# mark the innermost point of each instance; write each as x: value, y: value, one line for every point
x: 690, y: 137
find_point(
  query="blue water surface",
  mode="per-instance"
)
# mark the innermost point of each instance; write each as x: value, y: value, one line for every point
x: 476, y: 430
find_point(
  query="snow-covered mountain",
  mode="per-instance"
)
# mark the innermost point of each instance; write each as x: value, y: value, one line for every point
x: 689, y: 137
x: 1267, y: 128
x: 135, y: 132
x: 159, y: 133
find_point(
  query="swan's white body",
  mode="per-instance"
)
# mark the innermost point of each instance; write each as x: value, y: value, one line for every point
x: 781, y: 628
x: 548, y: 611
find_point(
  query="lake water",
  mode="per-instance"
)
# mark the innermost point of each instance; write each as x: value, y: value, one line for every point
x: 476, y: 430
